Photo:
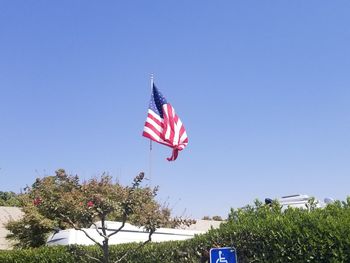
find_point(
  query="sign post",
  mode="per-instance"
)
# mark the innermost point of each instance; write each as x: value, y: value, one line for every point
x: 223, y: 255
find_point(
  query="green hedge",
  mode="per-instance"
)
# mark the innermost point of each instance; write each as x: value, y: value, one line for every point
x: 266, y: 234
x: 37, y: 255
x: 260, y: 233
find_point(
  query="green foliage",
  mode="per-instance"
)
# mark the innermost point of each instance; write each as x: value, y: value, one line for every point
x: 31, y: 230
x: 217, y: 218
x: 57, y: 254
x: 264, y: 233
x: 62, y: 201
x: 9, y: 199
x: 260, y: 233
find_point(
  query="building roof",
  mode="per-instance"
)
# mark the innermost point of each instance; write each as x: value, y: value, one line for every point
x: 203, y: 225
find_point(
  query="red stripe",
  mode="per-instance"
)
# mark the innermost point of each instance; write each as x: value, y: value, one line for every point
x: 155, y: 120
x: 146, y: 134
x: 154, y: 129
x: 166, y: 125
x: 171, y: 122
x: 161, y: 138
x: 176, y: 118
x: 182, y: 131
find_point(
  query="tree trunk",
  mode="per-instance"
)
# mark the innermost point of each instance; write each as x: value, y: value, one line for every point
x: 105, y: 241
x: 105, y: 251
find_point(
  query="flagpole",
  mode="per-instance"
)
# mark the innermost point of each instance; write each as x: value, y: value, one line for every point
x: 150, y: 142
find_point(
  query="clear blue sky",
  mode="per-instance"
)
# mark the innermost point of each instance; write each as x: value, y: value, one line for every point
x: 263, y: 88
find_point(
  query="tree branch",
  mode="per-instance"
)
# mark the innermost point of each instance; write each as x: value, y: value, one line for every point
x: 138, y: 247
x: 83, y: 253
x: 80, y: 229
x: 91, y: 257
x: 103, y: 218
x: 101, y: 234
x: 120, y: 228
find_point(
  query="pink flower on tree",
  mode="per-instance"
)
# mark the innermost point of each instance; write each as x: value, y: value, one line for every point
x: 37, y: 201
x: 90, y: 204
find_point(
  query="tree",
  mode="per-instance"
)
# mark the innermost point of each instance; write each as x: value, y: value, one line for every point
x: 31, y: 230
x: 217, y: 218
x: 9, y: 199
x: 61, y: 201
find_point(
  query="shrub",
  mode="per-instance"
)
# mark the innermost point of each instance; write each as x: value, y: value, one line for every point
x: 260, y: 233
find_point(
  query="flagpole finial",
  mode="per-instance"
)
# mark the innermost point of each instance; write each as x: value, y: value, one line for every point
x: 152, y: 80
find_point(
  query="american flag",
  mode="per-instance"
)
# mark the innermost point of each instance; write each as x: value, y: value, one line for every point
x: 163, y: 125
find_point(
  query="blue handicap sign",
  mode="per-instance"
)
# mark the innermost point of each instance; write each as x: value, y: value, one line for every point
x: 223, y: 255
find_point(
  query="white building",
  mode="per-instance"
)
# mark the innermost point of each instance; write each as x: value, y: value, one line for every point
x: 7, y: 214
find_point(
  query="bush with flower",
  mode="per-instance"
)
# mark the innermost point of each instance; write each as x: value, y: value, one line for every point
x: 62, y: 201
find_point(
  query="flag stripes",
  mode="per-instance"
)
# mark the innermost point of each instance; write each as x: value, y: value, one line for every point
x: 163, y: 125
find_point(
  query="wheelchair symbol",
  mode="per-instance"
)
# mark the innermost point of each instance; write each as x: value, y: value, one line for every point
x: 221, y: 259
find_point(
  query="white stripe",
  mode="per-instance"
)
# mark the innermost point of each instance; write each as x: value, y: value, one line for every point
x: 154, y: 124
x: 179, y: 122
x: 177, y: 133
x: 183, y: 137
x: 155, y: 115
x: 155, y: 136
x: 150, y: 132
